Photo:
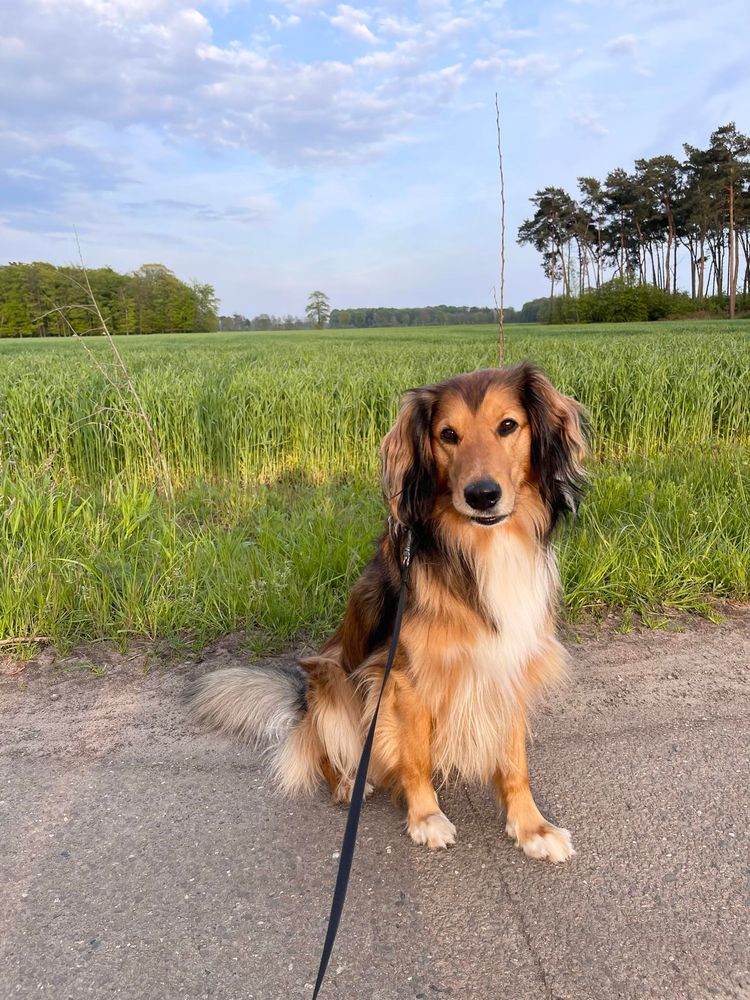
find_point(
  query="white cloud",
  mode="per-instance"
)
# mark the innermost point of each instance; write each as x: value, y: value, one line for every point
x: 114, y: 111
x: 353, y: 22
x: 384, y: 62
x: 623, y: 45
x: 284, y: 22
x: 536, y: 65
x: 399, y: 26
x: 245, y: 210
x: 414, y: 52
x: 306, y: 6
x: 510, y: 34
x: 590, y: 122
x: 156, y: 64
x: 11, y: 46
x: 565, y: 21
x: 488, y: 67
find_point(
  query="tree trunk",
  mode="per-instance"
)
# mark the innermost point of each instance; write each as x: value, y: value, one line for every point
x: 564, y: 268
x: 552, y: 287
x: 667, y: 259
x: 581, y: 274
x: 732, y: 252
x: 719, y: 267
x: 745, y: 243
x: 736, y: 272
x: 692, y: 270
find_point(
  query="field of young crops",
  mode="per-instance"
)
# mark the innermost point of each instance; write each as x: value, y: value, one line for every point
x: 229, y: 481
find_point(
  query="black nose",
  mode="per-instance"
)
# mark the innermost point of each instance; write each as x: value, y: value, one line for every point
x: 482, y: 494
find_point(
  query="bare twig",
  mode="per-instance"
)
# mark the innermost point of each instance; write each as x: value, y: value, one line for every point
x: 501, y: 309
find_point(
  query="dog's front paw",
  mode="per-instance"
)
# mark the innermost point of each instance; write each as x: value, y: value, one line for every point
x: 542, y: 842
x: 435, y: 830
x: 344, y: 789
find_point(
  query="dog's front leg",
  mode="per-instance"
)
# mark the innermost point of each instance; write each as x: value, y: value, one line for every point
x: 523, y: 821
x: 402, y: 752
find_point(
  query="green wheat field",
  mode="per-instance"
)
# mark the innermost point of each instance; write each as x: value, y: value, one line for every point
x: 248, y: 499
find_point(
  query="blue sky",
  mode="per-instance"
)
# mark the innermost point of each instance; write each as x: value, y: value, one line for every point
x: 273, y: 148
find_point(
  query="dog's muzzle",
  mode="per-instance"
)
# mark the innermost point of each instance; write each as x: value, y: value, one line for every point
x: 483, y: 496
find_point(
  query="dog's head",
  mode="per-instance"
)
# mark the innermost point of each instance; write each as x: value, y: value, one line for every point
x: 474, y: 442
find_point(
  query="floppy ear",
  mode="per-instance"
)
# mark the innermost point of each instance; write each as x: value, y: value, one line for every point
x: 559, y: 441
x: 408, y: 467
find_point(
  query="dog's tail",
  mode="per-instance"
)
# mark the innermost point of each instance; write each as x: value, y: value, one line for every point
x: 305, y: 716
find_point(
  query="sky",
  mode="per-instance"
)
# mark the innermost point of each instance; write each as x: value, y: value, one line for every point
x: 273, y: 148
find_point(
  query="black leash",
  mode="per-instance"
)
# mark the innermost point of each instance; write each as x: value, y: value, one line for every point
x: 358, y: 792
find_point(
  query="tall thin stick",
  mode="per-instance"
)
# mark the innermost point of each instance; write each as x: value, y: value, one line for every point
x: 501, y: 309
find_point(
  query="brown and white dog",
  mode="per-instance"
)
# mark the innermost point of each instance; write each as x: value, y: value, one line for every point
x: 480, y: 467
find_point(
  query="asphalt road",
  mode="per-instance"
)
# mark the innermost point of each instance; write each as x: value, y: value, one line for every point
x: 143, y: 859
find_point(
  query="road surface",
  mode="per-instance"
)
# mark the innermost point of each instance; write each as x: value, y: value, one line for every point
x: 142, y: 858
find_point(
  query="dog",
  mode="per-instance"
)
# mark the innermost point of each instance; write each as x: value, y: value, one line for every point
x: 480, y: 467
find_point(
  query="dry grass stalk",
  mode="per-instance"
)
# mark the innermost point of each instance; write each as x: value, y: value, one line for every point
x: 159, y: 463
x: 501, y: 308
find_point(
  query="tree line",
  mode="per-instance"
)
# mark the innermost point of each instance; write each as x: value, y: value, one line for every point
x: 382, y: 316
x: 632, y: 225
x: 441, y: 315
x: 43, y: 300
x: 263, y: 321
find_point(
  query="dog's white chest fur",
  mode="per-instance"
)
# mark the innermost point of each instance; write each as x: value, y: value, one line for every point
x: 516, y: 586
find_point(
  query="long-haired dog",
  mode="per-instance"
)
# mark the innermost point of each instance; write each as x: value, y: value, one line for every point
x: 480, y: 468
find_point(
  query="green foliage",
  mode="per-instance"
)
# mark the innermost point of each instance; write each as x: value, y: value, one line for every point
x: 549, y: 231
x: 382, y: 317
x: 263, y: 322
x: 272, y: 445
x: 47, y: 301
x: 387, y: 316
x: 251, y: 409
x: 624, y: 301
x: 632, y: 225
x: 318, y: 309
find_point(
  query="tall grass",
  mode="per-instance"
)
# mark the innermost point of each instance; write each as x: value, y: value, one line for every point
x: 320, y: 410
x: 272, y: 444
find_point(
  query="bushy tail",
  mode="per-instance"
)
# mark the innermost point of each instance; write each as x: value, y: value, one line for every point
x: 307, y: 720
x: 259, y: 705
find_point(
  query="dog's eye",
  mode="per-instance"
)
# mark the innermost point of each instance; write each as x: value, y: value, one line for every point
x: 507, y: 427
x: 448, y: 435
